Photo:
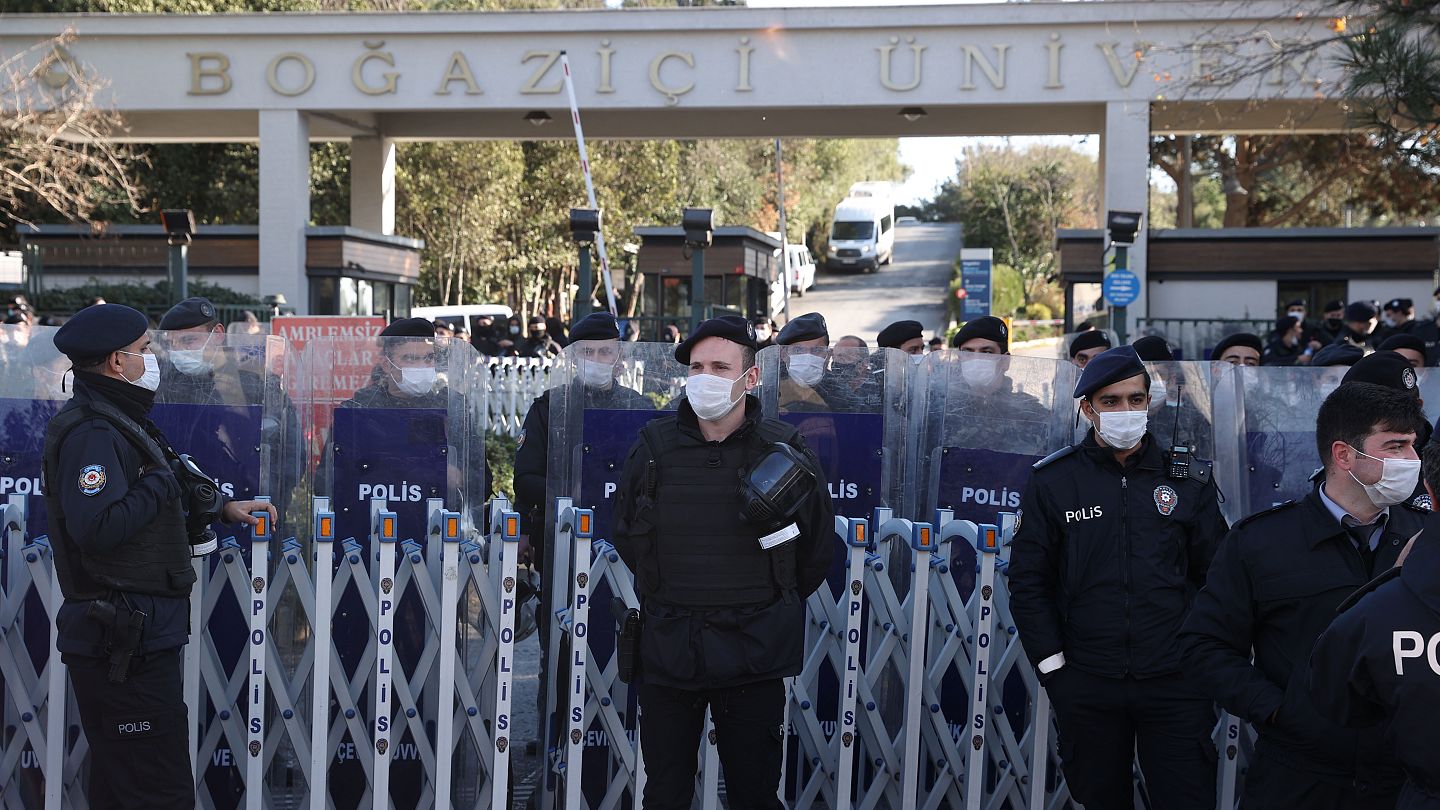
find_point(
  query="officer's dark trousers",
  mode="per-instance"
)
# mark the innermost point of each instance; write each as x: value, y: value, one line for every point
x: 747, y: 733
x: 1104, y: 722
x: 1273, y: 783
x: 137, y: 730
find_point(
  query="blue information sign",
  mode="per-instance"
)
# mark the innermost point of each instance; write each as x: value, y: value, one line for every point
x: 975, y: 278
x: 1121, y: 288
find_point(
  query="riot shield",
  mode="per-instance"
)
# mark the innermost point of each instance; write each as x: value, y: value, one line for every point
x: 394, y: 436
x: 31, y: 392
x: 604, y: 392
x: 852, y: 407
x: 1280, y: 406
x: 222, y: 404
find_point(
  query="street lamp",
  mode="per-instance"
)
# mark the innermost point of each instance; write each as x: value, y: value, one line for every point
x: 584, y: 226
x: 179, y: 225
x: 699, y: 227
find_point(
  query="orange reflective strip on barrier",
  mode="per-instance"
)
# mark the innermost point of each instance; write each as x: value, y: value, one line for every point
x: 326, y: 529
x: 452, y: 527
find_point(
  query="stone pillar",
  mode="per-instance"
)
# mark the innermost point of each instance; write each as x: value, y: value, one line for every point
x: 284, y: 205
x: 372, y: 184
x: 1125, y: 182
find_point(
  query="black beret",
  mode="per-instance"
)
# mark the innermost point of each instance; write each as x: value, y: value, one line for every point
x: 1152, y: 349
x: 809, y: 326
x: 986, y: 328
x: 1108, y: 368
x: 730, y: 327
x: 94, y: 332
x: 188, y: 313
x: 1384, y: 368
x: 1403, y: 341
x: 595, y: 326
x: 897, y: 334
x: 1399, y: 305
x: 1359, y: 311
x: 1238, y: 339
x: 1089, y: 340
x: 1285, y: 323
x: 1337, y: 354
x: 1336, y: 304
x: 409, y: 327
x: 1296, y: 303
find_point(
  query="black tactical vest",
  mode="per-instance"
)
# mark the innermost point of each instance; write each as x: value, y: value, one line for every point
x: 156, y: 561
x: 705, y: 556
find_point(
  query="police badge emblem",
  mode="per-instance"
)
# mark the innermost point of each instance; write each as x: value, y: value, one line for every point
x: 92, y: 479
x: 1408, y: 377
x: 1166, y: 500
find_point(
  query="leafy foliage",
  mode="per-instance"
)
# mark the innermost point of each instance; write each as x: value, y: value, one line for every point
x: 145, y: 297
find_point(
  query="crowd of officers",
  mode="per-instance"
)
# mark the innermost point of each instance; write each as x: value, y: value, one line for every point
x: 1317, y: 620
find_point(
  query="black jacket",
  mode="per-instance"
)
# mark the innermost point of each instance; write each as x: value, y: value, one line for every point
x: 1279, y: 353
x: 1358, y: 679
x: 1273, y: 588
x: 684, y: 644
x: 1106, y: 560
x: 105, y: 498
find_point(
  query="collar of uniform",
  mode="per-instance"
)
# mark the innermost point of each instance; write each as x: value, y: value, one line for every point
x: 1345, y: 519
x: 690, y: 423
x: 1418, y: 571
x: 1323, y: 525
x: 1149, y: 457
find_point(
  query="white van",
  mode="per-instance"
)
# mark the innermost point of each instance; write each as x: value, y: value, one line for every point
x: 863, y: 235
x: 463, y: 314
x: 802, y: 268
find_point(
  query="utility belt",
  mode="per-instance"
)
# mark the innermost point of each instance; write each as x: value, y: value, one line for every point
x: 124, y: 626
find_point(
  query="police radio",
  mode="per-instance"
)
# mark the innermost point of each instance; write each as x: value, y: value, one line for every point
x: 1178, y: 459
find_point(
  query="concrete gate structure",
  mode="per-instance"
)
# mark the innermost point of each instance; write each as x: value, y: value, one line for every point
x: 1124, y: 70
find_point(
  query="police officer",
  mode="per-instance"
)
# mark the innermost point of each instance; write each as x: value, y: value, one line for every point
x: 723, y: 597
x: 803, y: 386
x: 1274, y: 587
x: 1360, y: 327
x: 1409, y: 346
x: 907, y: 336
x: 1370, y: 667
x: 1392, y: 370
x: 998, y: 416
x: 1113, y: 542
x: 123, y: 559
x: 1239, y: 349
x: 1088, y: 345
x: 1288, y: 347
x: 596, y: 338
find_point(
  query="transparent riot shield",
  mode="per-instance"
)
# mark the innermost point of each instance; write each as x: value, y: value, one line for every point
x: 852, y: 407
x: 33, y: 739
x: 603, y: 393
x: 417, y: 655
x: 1280, y: 406
x: 222, y: 404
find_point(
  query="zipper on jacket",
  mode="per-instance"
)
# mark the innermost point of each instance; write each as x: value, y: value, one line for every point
x: 1125, y: 551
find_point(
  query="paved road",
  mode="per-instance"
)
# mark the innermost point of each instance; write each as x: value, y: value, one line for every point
x: 912, y: 286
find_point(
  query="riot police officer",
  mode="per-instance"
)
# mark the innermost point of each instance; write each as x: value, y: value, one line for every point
x: 996, y: 413
x: 1274, y: 587
x: 803, y: 384
x: 1088, y: 345
x: 123, y: 559
x: 722, y: 588
x: 1372, y: 667
x: 1115, y: 537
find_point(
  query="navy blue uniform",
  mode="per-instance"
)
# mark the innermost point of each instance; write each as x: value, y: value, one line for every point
x: 1273, y: 588
x: 137, y: 730
x: 1103, y: 567
x: 1375, y: 666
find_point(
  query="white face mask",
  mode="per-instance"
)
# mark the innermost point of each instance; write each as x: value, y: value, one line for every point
x: 917, y: 359
x: 1122, y: 430
x: 709, y: 396
x: 1297, y: 314
x: 1158, y: 391
x: 150, y: 380
x: 594, y: 373
x: 416, y: 381
x: 807, y: 369
x: 191, y: 361
x: 1398, y: 478
x: 979, y: 371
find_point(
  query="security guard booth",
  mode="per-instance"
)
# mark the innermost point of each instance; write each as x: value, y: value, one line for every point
x: 741, y: 271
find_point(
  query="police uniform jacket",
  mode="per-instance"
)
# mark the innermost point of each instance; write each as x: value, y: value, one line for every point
x: 532, y: 452
x: 104, y: 501
x: 1273, y: 588
x: 1375, y: 665
x: 1107, y: 558
x: 715, y: 611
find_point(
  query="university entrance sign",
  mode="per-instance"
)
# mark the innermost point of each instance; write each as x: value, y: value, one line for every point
x: 1119, y: 69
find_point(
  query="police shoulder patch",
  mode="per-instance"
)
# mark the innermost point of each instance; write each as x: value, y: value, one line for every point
x: 1166, y: 499
x: 520, y: 440
x: 92, y: 479
x: 1279, y: 507
x: 1054, y: 457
